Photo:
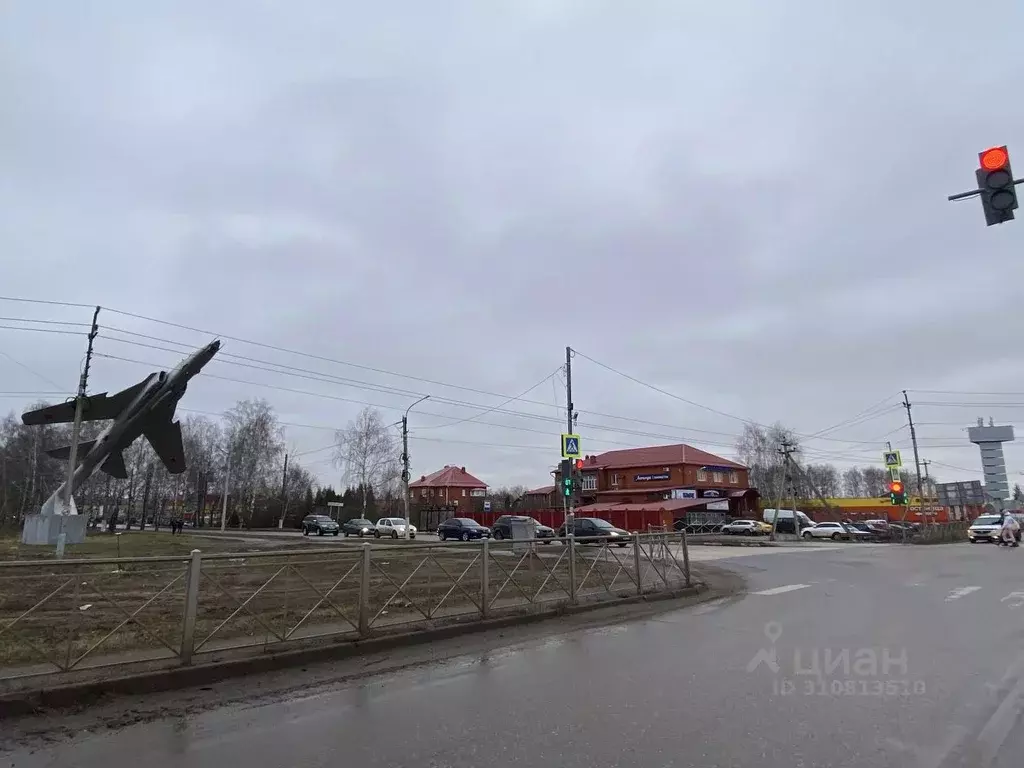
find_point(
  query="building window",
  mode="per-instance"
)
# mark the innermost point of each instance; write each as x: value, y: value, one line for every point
x: 701, y: 475
x: 615, y: 481
x: 590, y: 482
x: 733, y: 478
x: 716, y: 477
x: 463, y: 493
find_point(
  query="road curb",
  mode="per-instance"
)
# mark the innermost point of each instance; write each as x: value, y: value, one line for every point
x: 20, y: 703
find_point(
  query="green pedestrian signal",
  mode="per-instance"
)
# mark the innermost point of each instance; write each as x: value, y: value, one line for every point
x: 565, y: 473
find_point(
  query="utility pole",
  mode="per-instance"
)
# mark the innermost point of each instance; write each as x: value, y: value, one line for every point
x: 405, y: 466
x: 224, y: 507
x: 927, y: 484
x: 568, y: 501
x: 785, y: 449
x: 284, y: 494
x: 917, y: 458
x: 76, y: 428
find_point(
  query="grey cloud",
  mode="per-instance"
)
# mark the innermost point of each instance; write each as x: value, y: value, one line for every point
x: 422, y: 190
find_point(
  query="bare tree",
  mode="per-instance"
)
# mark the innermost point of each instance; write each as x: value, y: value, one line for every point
x: 256, y: 442
x: 876, y: 482
x: 368, y: 453
x: 853, y: 482
x: 823, y: 477
x: 759, y: 449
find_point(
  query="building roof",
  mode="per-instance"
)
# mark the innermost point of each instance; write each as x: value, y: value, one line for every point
x: 542, y: 491
x: 657, y: 454
x: 449, y: 477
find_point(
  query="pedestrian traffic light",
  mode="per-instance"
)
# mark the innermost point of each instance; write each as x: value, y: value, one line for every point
x: 565, y: 472
x: 897, y: 492
x: 995, y: 180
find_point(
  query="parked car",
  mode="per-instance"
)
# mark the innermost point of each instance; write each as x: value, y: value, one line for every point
x: 859, y: 531
x: 502, y: 528
x: 896, y: 530
x: 985, y: 528
x: 785, y: 524
x: 462, y: 529
x: 742, y: 528
x: 360, y: 526
x: 393, y: 527
x: 834, y: 531
x: 593, y: 527
x: 320, y: 525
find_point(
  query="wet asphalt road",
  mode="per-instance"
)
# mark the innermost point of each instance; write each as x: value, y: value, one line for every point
x: 944, y: 624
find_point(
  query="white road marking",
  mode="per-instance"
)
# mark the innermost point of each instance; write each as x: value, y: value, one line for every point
x: 780, y: 590
x: 958, y: 593
x: 1016, y: 599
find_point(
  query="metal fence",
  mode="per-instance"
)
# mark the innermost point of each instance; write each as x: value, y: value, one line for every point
x: 63, y: 618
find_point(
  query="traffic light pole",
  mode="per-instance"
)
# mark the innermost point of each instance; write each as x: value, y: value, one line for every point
x: 570, y: 506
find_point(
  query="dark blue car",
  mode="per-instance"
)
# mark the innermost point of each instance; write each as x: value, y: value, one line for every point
x: 462, y: 529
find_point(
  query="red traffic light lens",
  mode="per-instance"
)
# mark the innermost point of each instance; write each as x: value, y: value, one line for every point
x: 896, y: 487
x: 994, y: 159
x: 579, y: 463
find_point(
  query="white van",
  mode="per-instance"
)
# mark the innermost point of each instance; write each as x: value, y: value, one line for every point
x: 785, y: 524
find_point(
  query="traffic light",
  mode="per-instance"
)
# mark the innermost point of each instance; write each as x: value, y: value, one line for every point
x: 565, y: 473
x: 577, y: 478
x: 897, y: 493
x: 995, y: 180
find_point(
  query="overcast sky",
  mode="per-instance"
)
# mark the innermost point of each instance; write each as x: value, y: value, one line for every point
x: 740, y: 203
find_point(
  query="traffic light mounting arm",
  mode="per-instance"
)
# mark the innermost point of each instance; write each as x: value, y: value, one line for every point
x: 975, y: 192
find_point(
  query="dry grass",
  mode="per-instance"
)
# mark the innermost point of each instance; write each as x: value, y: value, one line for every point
x: 264, y: 599
x: 137, y: 544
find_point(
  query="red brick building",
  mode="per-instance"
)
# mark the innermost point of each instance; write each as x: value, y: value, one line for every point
x: 667, y: 472
x: 450, y: 486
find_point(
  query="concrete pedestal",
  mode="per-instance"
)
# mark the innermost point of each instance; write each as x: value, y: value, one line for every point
x: 44, y: 529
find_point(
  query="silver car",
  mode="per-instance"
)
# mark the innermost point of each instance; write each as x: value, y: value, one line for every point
x: 985, y: 528
x: 834, y: 531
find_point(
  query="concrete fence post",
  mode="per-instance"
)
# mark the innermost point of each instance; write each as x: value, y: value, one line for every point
x: 364, y: 591
x: 188, y: 624
x: 571, y: 543
x: 636, y: 563
x: 485, y: 586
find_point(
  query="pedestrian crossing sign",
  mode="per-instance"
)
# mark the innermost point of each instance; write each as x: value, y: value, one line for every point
x: 571, y: 446
x: 892, y: 459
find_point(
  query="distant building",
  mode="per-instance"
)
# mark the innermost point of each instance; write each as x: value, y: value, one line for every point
x: 450, y: 486
x: 990, y: 441
x: 544, y: 497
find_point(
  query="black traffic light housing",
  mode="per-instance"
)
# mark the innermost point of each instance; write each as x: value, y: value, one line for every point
x: 995, y: 180
x: 565, y: 477
x: 897, y: 493
x: 571, y: 478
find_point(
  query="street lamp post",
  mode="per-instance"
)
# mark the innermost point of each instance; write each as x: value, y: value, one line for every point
x: 405, y: 465
x: 224, y: 504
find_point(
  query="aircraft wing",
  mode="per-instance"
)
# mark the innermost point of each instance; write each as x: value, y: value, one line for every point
x: 165, y: 437
x: 95, y: 408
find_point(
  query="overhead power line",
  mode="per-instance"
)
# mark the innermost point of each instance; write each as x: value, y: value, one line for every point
x: 21, y: 300
x: 498, y: 407
x: 43, y: 330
